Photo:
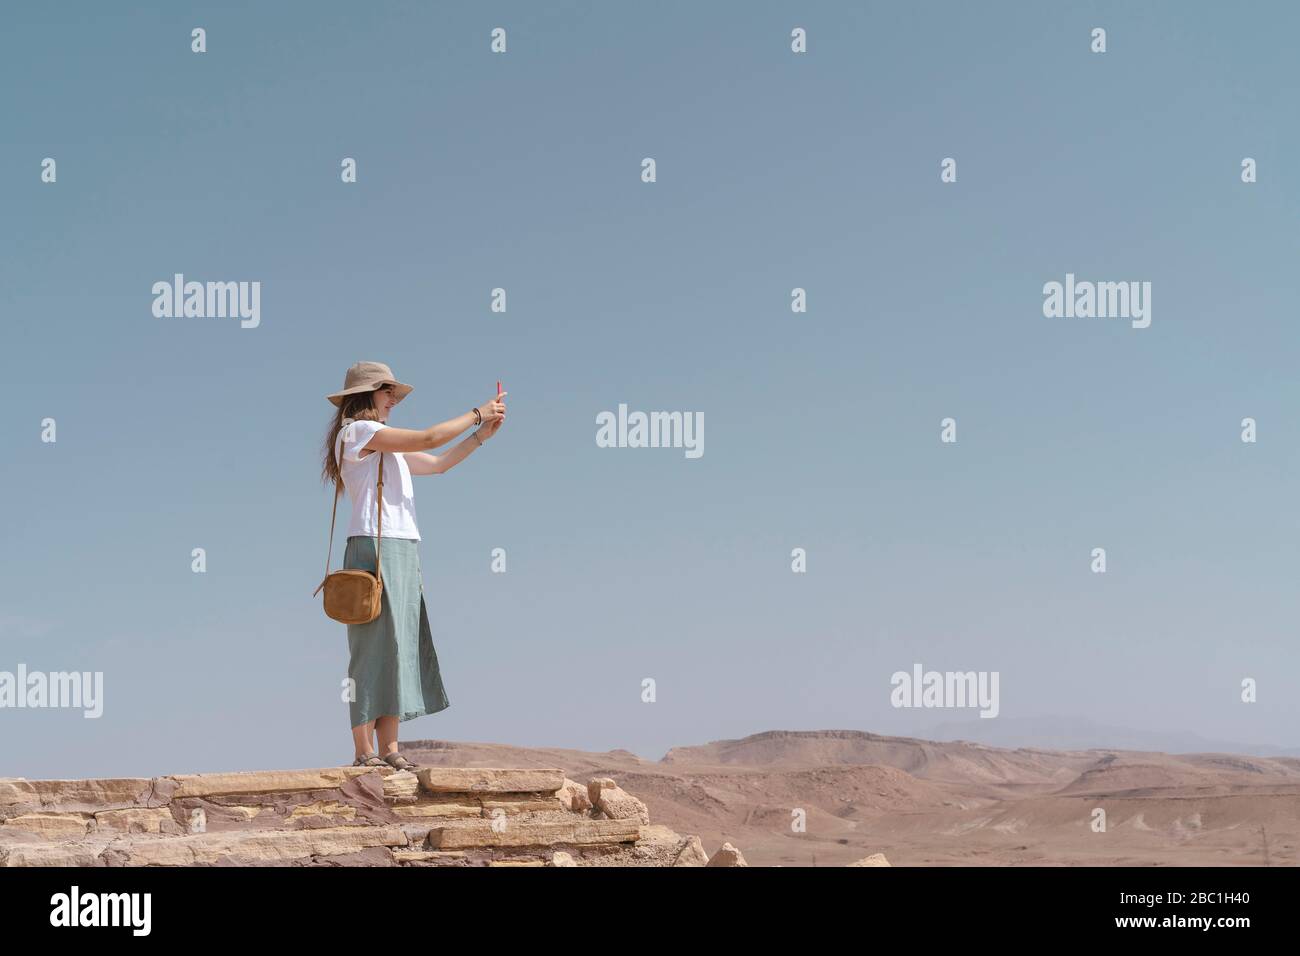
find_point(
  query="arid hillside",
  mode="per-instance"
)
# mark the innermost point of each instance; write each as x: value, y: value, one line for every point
x: 927, y: 803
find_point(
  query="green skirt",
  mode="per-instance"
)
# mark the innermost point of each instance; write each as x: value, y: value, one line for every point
x: 393, y: 666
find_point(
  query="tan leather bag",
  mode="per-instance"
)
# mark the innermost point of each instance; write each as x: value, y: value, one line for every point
x: 354, y: 595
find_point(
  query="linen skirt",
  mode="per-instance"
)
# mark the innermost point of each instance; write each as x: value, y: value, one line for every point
x: 393, y: 666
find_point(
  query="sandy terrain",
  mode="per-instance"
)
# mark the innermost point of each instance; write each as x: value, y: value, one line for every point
x: 929, y: 803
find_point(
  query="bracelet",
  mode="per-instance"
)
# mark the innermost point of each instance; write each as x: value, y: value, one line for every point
x: 478, y: 416
x: 480, y: 441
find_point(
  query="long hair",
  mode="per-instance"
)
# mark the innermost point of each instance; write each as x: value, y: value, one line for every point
x: 357, y: 405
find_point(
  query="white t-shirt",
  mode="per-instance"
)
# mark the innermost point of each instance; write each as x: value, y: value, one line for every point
x: 361, y: 476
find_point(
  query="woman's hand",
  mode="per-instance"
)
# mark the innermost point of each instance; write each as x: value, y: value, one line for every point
x: 487, y: 430
x: 494, y: 410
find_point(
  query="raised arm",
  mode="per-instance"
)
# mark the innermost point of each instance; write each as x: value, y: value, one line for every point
x: 421, y: 463
x: 419, y: 439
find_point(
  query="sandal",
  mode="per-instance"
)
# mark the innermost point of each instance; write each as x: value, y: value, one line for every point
x: 370, y: 760
x: 398, y: 762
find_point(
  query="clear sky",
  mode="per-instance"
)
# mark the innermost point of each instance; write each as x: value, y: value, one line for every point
x: 774, y: 171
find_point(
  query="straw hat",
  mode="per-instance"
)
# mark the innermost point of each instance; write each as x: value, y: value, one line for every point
x: 368, y: 376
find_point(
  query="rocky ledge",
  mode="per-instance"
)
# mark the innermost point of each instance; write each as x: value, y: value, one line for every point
x: 339, y: 816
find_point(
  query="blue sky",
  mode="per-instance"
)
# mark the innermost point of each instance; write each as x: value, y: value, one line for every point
x: 775, y: 171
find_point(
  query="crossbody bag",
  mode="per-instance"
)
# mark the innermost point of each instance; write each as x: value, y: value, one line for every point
x: 354, y: 595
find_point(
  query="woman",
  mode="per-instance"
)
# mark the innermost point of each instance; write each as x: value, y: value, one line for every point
x: 393, y: 669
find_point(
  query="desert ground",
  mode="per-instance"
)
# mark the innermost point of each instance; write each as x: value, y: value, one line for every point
x: 926, y: 803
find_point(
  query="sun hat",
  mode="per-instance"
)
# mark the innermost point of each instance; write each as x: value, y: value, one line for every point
x: 368, y: 376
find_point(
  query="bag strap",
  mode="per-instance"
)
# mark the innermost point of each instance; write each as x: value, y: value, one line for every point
x: 379, y: 519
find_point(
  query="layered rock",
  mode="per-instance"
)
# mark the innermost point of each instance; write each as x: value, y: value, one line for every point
x: 336, y: 816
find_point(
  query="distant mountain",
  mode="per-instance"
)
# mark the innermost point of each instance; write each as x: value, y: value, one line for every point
x: 925, y: 759
x: 1080, y: 733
